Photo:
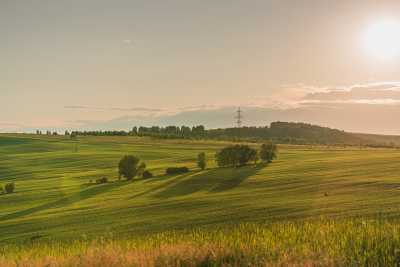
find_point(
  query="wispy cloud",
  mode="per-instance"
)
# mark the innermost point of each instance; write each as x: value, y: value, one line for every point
x: 296, y: 96
x: 387, y: 93
x: 7, y: 126
x: 128, y: 42
x: 133, y: 109
x: 200, y: 107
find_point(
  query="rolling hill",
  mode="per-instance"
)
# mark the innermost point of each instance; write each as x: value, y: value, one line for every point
x: 55, y: 200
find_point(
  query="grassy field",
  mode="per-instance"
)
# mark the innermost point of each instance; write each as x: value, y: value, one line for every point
x: 303, y: 243
x: 54, y: 202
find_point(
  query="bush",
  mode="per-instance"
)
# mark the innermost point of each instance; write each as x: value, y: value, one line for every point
x: 9, y: 188
x: 103, y: 180
x: 141, y: 169
x: 147, y: 174
x: 268, y: 152
x: 201, y: 160
x: 176, y: 170
x: 236, y: 155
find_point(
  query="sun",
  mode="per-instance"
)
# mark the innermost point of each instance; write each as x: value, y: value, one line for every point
x: 382, y: 39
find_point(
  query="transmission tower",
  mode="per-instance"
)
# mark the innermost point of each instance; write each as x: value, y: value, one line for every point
x: 239, y: 118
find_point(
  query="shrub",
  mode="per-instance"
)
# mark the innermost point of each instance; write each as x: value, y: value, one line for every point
x: 176, y: 170
x: 268, y: 152
x: 9, y: 188
x: 129, y: 167
x: 236, y: 155
x: 201, y: 160
x: 147, y: 174
x: 103, y: 180
x: 141, y: 169
x: 1, y: 189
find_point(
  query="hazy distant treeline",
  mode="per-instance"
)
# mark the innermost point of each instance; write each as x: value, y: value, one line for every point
x: 154, y: 131
x: 279, y: 132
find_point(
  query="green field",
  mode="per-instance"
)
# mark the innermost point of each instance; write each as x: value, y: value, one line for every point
x: 53, y: 199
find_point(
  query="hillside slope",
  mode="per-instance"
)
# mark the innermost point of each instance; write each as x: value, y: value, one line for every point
x: 53, y: 199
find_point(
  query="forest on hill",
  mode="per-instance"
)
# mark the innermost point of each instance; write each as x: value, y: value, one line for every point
x: 278, y: 132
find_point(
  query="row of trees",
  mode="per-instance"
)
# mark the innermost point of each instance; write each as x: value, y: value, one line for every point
x: 170, y: 131
x: 239, y: 155
x: 154, y: 131
x: 281, y: 132
x: 38, y: 132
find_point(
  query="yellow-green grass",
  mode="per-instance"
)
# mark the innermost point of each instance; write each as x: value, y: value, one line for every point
x: 343, y: 242
x: 53, y: 200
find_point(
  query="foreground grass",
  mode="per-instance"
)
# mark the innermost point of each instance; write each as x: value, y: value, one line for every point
x: 323, y: 242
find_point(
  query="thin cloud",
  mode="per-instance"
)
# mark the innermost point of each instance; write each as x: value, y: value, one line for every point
x: 128, y: 42
x: 134, y: 109
x: 375, y: 93
x: 139, y: 109
x: 199, y: 107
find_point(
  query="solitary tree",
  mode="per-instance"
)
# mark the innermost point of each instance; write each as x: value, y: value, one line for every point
x: 129, y: 167
x: 268, y: 152
x: 201, y: 160
x: 9, y: 188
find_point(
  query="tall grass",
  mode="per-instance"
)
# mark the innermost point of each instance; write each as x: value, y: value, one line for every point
x: 324, y: 242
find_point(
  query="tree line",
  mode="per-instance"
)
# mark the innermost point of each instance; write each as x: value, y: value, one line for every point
x: 278, y: 132
x: 153, y: 131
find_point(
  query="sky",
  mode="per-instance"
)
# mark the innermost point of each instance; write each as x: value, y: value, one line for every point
x: 101, y: 64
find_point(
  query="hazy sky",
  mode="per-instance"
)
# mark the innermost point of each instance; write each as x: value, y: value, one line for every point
x: 84, y: 63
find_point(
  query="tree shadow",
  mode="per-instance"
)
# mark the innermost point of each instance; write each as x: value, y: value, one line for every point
x: 79, y: 196
x: 176, y: 178
x: 214, y: 181
x: 236, y: 176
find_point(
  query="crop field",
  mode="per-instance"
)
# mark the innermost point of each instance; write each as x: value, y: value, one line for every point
x: 55, y: 202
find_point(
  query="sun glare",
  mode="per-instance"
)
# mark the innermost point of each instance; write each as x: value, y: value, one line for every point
x: 382, y: 39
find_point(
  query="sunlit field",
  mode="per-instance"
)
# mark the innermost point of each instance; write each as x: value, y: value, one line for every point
x: 314, y: 204
x: 322, y: 242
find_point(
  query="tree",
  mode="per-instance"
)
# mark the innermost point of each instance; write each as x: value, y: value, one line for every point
x: 237, y: 155
x: 253, y: 156
x: 9, y: 188
x: 134, y: 131
x: 129, y: 167
x: 201, y: 160
x: 268, y: 152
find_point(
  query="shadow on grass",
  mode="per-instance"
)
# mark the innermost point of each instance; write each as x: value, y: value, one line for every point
x: 91, y: 191
x: 214, y: 180
x: 172, y: 179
